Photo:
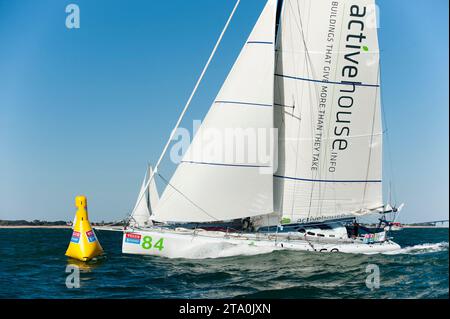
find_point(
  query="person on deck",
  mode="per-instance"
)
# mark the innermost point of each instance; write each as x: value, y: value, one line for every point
x: 355, y: 230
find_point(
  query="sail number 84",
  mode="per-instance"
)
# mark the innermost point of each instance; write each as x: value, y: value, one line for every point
x: 147, y: 243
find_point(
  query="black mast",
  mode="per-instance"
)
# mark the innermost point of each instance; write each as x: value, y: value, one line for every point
x: 278, y: 18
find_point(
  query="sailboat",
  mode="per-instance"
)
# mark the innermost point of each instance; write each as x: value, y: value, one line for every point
x: 148, y: 199
x: 305, y: 93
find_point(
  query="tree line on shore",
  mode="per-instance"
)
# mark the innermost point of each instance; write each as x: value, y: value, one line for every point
x: 37, y: 222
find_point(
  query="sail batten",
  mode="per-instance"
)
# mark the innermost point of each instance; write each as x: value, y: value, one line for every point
x: 243, y: 103
x: 328, y: 181
x: 326, y: 81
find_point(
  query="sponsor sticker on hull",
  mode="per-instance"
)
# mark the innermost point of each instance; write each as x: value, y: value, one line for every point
x: 133, y: 239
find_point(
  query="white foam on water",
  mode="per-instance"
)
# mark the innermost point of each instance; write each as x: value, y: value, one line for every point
x: 420, y: 249
x: 222, y: 250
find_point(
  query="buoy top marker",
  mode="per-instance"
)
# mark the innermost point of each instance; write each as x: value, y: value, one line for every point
x: 81, y: 201
x: 84, y: 244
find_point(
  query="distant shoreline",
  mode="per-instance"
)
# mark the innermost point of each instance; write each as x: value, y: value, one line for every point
x: 35, y: 227
x: 100, y: 227
x: 426, y: 227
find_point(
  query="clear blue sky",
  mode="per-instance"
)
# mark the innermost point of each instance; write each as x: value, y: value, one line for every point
x: 83, y: 111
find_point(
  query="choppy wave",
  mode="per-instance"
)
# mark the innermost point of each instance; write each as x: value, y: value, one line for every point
x: 38, y: 270
x: 421, y: 249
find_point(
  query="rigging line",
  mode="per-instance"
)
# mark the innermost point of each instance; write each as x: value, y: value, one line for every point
x: 371, y: 138
x: 300, y: 98
x: 388, y: 142
x: 295, y: 98
x: 314, y: 90
x: 142, y: 192
x: 310, y: 70
x: 295, y: 117
x: 187, y: 198
x: 333, y: 97
x: 191, y: 97
x: 284, y: 106
x: 310, y: 244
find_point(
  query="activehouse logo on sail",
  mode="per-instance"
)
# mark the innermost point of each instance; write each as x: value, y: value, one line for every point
x: 346, y: 102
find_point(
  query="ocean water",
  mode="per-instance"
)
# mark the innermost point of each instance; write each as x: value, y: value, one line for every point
x: 33, y: 265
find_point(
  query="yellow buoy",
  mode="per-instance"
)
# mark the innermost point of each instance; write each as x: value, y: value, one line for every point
x: 84, y: 245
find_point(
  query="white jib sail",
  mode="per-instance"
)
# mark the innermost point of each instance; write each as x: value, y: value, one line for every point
x: 227, y: 173
x: 144, y: 207
x: 153, y: 196
x: 328, y: 96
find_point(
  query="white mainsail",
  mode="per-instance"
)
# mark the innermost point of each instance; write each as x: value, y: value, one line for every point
x: 217, y: 179
x: 147, y: 200
x: 328, y: 97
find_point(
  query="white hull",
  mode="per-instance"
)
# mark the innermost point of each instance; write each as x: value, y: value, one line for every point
x: 183, y: 243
